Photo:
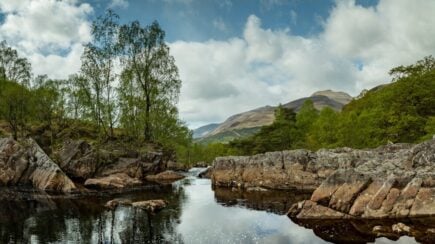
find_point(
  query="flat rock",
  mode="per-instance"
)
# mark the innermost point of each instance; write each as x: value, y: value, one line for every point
x: 151, y: 206
x: 392, y: 181
x: 115, y: 181
x: 166, y: 176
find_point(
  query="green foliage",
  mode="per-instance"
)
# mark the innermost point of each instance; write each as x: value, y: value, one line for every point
x: 402, y: 111
x: 150, y: 83
x: 323, y: 133
x: 99, y: 77
x: 13, y: 67
x: 429, y: 128
x: 139, y: 96
x: 277, y: 136
x: 14, y: 106
x: 203, y: 153
x: 305, y: 120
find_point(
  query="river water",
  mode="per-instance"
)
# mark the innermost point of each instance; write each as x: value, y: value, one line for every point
x: 195, y: 214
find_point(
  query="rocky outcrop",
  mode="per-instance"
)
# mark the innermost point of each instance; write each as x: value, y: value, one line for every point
x: 151, y: 206
x: 26, y: 164
x: 286, y: 170
x: 105, y: 168
x: 393, y: 181
x: 114, y: 181
x: 167, y: 176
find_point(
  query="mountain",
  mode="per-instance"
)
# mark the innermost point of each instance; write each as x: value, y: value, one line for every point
x: 247, y: 123
x: 204, y: 130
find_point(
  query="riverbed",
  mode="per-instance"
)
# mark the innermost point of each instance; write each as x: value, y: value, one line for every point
x: 196, y: 213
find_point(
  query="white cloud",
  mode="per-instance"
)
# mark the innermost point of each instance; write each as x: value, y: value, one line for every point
x: 381, y: 37
x: 48, y: 32
x: 118, y: 3
x: 220, y: 24
x: 355, y: 50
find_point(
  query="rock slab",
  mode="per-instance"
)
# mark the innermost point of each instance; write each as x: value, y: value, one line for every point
x: 26, y: 163
x: 393, y: 181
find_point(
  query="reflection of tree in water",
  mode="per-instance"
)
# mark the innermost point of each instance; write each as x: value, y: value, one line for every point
x: 86, y: 220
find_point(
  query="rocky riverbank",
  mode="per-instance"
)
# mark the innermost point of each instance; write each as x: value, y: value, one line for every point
x: 27, y: 164
x: 286, y: 170
x: 393, y: 181
x: 77, y: 167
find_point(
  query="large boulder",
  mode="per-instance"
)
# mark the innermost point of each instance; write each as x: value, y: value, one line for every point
x: 393, y: 181
x: 286, y: 170
x: 114, y: 167
x: 27, y: 164
x: 115, y: 181
x: 151, y: 206
x: 77, y: 159
x: 166, y: 176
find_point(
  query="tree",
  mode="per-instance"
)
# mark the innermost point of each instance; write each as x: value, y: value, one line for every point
x: 12, y: 67
x: 98, y: 69
x: 324, y: 132
x: 305, y: 119
x: 15, y: 106
x: 150, y: 80
x: 280, y: 135
x: 421, y: 67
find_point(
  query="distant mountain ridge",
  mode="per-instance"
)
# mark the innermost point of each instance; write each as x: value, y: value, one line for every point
x: 256, y: 118
x: 204, y: 130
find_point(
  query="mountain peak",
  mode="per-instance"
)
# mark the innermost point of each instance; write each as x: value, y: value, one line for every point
x: 339, y: 96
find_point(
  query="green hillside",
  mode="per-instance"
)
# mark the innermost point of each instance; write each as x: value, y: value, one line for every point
x: 402, y: 111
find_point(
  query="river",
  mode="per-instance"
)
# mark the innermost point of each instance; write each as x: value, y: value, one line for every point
x: 195, y: 214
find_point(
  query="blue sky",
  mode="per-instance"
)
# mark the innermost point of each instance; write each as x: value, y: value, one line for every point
x: 201, y: 20
x: 237, y: 55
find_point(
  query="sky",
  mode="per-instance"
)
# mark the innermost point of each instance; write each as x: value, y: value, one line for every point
x: 237, y: 55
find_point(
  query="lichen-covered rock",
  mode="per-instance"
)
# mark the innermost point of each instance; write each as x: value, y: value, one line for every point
x: 151, y: 206
x: 285, y: 170
x: 115, y: 181
x: 27, y: 164
x: 166, y: 176
x: 393, y: 181
x: 76, y: 158
x: 296, y: 169
x: 106, y: 168
x: 114, y: 203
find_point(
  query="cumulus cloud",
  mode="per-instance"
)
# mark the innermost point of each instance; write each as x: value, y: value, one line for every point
x: 263, y: 67
x: 48, y: 32
x: 355, y: 51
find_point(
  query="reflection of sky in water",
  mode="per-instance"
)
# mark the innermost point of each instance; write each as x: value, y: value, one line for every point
x: 193, y: 216
x: 205, y: 221
x: 401, y: 240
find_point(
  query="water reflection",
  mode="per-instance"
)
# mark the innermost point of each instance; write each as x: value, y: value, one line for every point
x: 272, y: 201
x: 192, y: 216
x: 416, y: 230
x: 195, y: 214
